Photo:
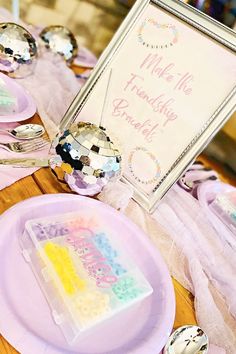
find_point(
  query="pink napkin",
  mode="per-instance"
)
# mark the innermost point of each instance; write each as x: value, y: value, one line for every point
x: 216, y: 350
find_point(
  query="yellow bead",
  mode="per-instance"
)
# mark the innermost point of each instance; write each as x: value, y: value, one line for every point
x: 91, y: 305
x: 64, y: 267
x: 66, y: 168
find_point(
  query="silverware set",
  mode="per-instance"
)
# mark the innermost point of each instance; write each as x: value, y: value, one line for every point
x: 25, y: 162
x: 29, y: 136
x: 25, y: 146
x: 25, y: 131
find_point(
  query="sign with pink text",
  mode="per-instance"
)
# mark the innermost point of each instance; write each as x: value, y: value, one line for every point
x: 164, y: 92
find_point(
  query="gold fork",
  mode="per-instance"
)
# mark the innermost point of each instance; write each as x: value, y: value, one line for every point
x: 25, y: 146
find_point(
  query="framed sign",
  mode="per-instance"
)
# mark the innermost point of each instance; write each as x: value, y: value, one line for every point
x: 172, y: 88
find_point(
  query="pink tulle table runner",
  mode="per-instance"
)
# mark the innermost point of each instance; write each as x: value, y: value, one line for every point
x: 199, y: 251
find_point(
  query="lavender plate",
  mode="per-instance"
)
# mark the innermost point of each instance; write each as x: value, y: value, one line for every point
x: 25, y: 319
x: 26, y: 107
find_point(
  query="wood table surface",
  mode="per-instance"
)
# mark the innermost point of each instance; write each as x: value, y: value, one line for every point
x: 44, y: 182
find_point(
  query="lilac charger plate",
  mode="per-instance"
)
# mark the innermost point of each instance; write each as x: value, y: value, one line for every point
x: 25, y: 319
x: 25, y: 103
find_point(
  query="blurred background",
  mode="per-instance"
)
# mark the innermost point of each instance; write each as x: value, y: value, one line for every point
x: 94, y: 22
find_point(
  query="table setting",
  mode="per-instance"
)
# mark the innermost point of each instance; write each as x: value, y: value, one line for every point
x: 18, y: 138
x: 86, y: 267
x: 34, y: 93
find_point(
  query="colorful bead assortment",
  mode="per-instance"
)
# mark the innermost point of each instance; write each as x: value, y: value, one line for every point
x: 92, y: 259
x: 150, y: 156
x: 44, y: 231
x: 149, y: 45
x: 92, y: 305
x: 126, y: 289
x: 91, y: 275
x: 103, y: 244
x: 64, y: 267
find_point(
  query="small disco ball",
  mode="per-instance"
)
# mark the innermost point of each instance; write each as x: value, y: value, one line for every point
x: 87, y: 157
x: 60, y: 40
x: 18, y: 50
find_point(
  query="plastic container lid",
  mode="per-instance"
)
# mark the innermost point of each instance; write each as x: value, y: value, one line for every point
x: 85, y: 274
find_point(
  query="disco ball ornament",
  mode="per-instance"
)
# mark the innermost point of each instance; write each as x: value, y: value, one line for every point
x: 18, y: 50
x: 87, y: 157
x: 60, y: 40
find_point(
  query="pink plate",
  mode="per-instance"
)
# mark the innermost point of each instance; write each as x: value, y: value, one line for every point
x: 25, y: 319
x: 25, y: 103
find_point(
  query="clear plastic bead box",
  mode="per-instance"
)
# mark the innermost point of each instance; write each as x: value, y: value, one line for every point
x: 85, y: 274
